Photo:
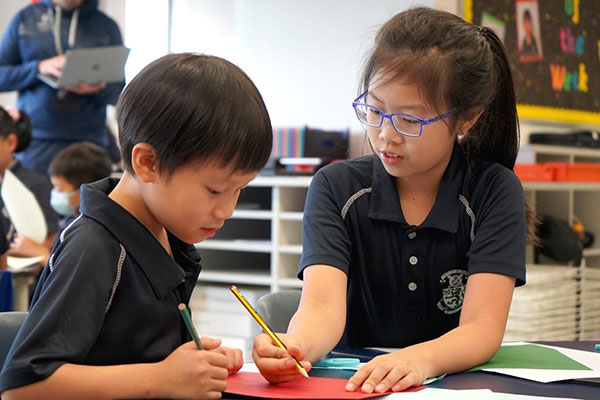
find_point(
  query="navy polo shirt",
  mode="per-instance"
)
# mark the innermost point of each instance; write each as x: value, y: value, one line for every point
x: 406, y: 283
x: 108, y: 295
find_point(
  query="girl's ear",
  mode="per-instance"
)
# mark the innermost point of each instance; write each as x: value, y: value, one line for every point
x: 144, y: 162
x: 469, y: 121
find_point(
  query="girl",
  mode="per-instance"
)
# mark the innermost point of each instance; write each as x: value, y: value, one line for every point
x: 420, y: 245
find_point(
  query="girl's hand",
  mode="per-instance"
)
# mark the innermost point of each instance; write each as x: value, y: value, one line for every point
x: 235, y: 359
x: 387, y: 372
x: 194, y: 374
x: 276, y: 364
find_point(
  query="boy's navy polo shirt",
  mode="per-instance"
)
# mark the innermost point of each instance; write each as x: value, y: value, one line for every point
x: 406, y: 283
x: 107, y: 296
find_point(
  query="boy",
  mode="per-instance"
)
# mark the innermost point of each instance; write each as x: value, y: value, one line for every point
x: 15, y: 136
x: 79, y: 163
x: 104, y: 323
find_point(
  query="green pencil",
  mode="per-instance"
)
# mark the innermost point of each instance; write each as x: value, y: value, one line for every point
x: 187, y: 318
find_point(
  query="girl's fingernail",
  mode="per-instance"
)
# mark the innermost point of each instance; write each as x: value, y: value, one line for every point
x: 350, y: 387
x: 367, y: 388
x: 380, y: 388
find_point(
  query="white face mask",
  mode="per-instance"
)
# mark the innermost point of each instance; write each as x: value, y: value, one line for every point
x: 60, y: 202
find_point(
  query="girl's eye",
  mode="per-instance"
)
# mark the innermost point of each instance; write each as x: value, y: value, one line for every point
x: 410, y: 120
x: 374, y: 111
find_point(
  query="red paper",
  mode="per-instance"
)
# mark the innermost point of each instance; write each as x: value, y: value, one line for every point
x: 254, y: 385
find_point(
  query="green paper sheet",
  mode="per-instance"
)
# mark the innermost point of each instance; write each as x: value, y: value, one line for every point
x: 530, y: 356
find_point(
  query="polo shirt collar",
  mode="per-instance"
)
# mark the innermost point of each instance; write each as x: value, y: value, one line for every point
x: 161, y: 270
x: 445, y: 211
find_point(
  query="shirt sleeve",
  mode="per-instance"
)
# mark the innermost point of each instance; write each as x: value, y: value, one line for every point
x: 325, y: 237
x: 14, y: 73
x: 500, y: 230
x: 67, y: 312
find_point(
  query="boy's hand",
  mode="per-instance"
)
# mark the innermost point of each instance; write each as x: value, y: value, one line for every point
x: 276, y: 364
x: 194, y: 374
x: 235, y: 360
x: 387, y: 372
x: 22, y: 246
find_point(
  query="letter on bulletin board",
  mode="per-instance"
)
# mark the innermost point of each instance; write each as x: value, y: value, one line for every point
x: 554, y: 51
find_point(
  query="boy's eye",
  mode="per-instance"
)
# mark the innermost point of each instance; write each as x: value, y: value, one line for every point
x: 212, y: 191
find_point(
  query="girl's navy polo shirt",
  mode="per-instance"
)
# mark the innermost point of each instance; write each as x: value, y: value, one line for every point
x: 406, y: 283
x: 108, y: 295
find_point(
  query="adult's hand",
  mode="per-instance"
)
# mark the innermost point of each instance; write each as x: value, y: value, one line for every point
x: 86, y: 88
x: 52, y: 66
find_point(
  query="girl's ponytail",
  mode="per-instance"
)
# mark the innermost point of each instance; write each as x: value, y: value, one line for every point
x: 495, y: 135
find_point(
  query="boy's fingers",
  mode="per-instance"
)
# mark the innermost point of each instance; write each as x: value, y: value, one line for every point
x: 210, y: 343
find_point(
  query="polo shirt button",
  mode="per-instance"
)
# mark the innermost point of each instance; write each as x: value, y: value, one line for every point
x: 412, y: 286
x: 412, y: 235
x: 413, y: 260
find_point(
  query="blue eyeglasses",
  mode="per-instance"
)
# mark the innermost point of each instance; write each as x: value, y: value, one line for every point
x: 404, y: 124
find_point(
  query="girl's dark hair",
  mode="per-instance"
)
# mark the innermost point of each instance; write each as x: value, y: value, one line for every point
x: 81, y: 163
x: 194, y: 108
x: 21, y: 128
x: 454, y: 64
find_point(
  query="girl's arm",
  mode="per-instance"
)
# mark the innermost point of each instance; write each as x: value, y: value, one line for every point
x: 186, y: 373
x: 476, y: 340
x: 315, y: 328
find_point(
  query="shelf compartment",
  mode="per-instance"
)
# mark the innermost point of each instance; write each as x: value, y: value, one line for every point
x: 254, y: 246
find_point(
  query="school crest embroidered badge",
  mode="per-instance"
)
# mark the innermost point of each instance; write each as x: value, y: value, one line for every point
x: 453, y: 291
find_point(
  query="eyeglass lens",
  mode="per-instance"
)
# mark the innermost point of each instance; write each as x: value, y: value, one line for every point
x: 404, y: 124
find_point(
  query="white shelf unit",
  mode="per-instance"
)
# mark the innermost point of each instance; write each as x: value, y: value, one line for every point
x: 562, y: 300
x: 261, y: 244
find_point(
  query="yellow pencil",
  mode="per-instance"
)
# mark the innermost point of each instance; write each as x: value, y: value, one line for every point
x: 266, y: 328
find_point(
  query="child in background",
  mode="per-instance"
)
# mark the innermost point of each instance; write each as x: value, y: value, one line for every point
x: 104, y: 322
x: 419, y: 246
x: 80, y: 163
x: 15, y: 135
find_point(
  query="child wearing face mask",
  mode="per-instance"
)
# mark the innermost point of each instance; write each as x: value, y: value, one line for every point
x: 15, y: 136
x: 73, y: 166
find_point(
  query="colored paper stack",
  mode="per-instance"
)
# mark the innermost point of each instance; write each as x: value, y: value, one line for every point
x: 546, y: 308
x: 590, y: 303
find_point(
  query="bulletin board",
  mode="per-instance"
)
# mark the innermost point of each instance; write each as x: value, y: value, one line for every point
x: 554, y: 51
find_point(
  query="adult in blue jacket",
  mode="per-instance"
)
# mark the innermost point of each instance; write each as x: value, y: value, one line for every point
x: 35, y: 42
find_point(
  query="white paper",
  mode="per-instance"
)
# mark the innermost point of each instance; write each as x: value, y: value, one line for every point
x: 20, y: 263
x: 443, y: 394
x: 23, y: 208
x: 510, y: 396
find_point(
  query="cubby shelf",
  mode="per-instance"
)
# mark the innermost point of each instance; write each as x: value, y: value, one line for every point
x: 267, y: 223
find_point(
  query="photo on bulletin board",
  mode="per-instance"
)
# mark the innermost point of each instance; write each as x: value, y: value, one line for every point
x: 528, y: 30
x: 554, y: 51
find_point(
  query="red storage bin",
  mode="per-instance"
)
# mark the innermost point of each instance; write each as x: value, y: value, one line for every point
x: 575, y: 172
x: 533, y: 172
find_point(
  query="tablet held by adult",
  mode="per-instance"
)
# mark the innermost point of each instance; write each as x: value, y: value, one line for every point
x: 34, y: 44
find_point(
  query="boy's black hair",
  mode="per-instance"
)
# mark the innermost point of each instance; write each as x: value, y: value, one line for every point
x: 21, y: 128
x: 194, y: 108
x: 81, y: 163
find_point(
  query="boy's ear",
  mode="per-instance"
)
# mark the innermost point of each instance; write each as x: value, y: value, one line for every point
x: 12, y: 141
x: 144, y: 162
